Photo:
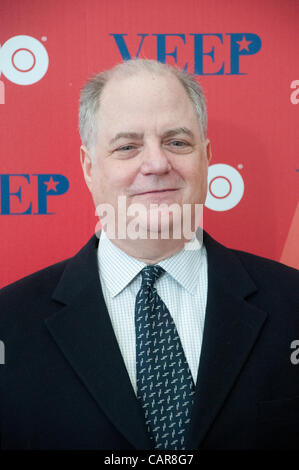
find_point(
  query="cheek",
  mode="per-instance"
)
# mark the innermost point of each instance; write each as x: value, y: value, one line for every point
x: 118, y: 175
x: 191, y: 173
x: 195, y: 177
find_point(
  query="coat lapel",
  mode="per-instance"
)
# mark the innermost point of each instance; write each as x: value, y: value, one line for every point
x: 232, y: 326
x: 84, y: 333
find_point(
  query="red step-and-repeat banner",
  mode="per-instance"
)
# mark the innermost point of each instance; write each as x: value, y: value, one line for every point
x: 245, y: 55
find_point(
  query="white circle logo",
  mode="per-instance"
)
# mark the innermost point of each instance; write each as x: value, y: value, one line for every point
x: 225, y: 187
x: 23, y: 60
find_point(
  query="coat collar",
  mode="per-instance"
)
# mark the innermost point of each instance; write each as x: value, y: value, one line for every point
x: 82, y: 330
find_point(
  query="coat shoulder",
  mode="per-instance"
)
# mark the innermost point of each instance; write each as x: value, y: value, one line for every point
x: 43, y: 281
x: 33, y: 293
x: 271, y: 275
x: 36, y: 285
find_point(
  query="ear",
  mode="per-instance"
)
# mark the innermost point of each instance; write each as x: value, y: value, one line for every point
x: 208, y: 150
x: 86, y: 163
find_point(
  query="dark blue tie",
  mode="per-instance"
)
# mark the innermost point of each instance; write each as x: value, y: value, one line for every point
x: 165, y: 387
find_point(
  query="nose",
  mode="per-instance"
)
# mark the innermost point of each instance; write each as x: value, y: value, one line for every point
x: 154, y: 160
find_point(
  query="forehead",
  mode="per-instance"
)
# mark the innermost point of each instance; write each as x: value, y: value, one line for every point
x: 145, y: 100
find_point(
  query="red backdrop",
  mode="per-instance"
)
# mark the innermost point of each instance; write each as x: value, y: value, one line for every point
x: 246, y: 57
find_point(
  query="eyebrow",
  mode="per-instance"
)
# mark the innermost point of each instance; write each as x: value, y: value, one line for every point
x: 126, y: 135
x: 136, y: 135
x: 178, y: 130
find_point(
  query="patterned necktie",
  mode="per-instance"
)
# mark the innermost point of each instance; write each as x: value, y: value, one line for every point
x: 165, y: 387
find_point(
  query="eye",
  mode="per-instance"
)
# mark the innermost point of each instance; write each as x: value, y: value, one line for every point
x: 125, y: 148
x: 178, y: 143
x: 179, y: 146
x: 126, y: 151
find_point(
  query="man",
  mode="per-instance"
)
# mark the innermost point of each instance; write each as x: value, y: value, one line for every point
x: 146, y: 339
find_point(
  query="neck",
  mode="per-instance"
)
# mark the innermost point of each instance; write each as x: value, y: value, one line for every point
x: 150, y: 251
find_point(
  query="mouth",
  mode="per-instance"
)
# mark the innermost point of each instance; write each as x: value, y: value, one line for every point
x: 157, y: 192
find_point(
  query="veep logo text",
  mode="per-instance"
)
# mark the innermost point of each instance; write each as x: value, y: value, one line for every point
x: 209, y: 46
x: 19, y: 192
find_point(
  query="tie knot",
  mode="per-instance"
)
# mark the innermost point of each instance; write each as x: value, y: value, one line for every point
x: 150, y: 274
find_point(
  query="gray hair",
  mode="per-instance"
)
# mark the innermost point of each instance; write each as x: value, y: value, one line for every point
x: 91, y: 93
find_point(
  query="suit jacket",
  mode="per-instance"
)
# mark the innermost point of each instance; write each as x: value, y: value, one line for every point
x: 64, y: 384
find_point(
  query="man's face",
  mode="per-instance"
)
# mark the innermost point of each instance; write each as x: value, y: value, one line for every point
x: 149, y: 146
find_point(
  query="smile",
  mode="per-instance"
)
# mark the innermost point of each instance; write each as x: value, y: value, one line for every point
x: 161, y: 191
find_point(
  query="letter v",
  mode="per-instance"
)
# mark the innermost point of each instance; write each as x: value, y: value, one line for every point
x: 122, y: 46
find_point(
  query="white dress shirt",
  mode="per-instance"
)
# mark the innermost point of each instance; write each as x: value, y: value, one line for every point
x: 183, y: 288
